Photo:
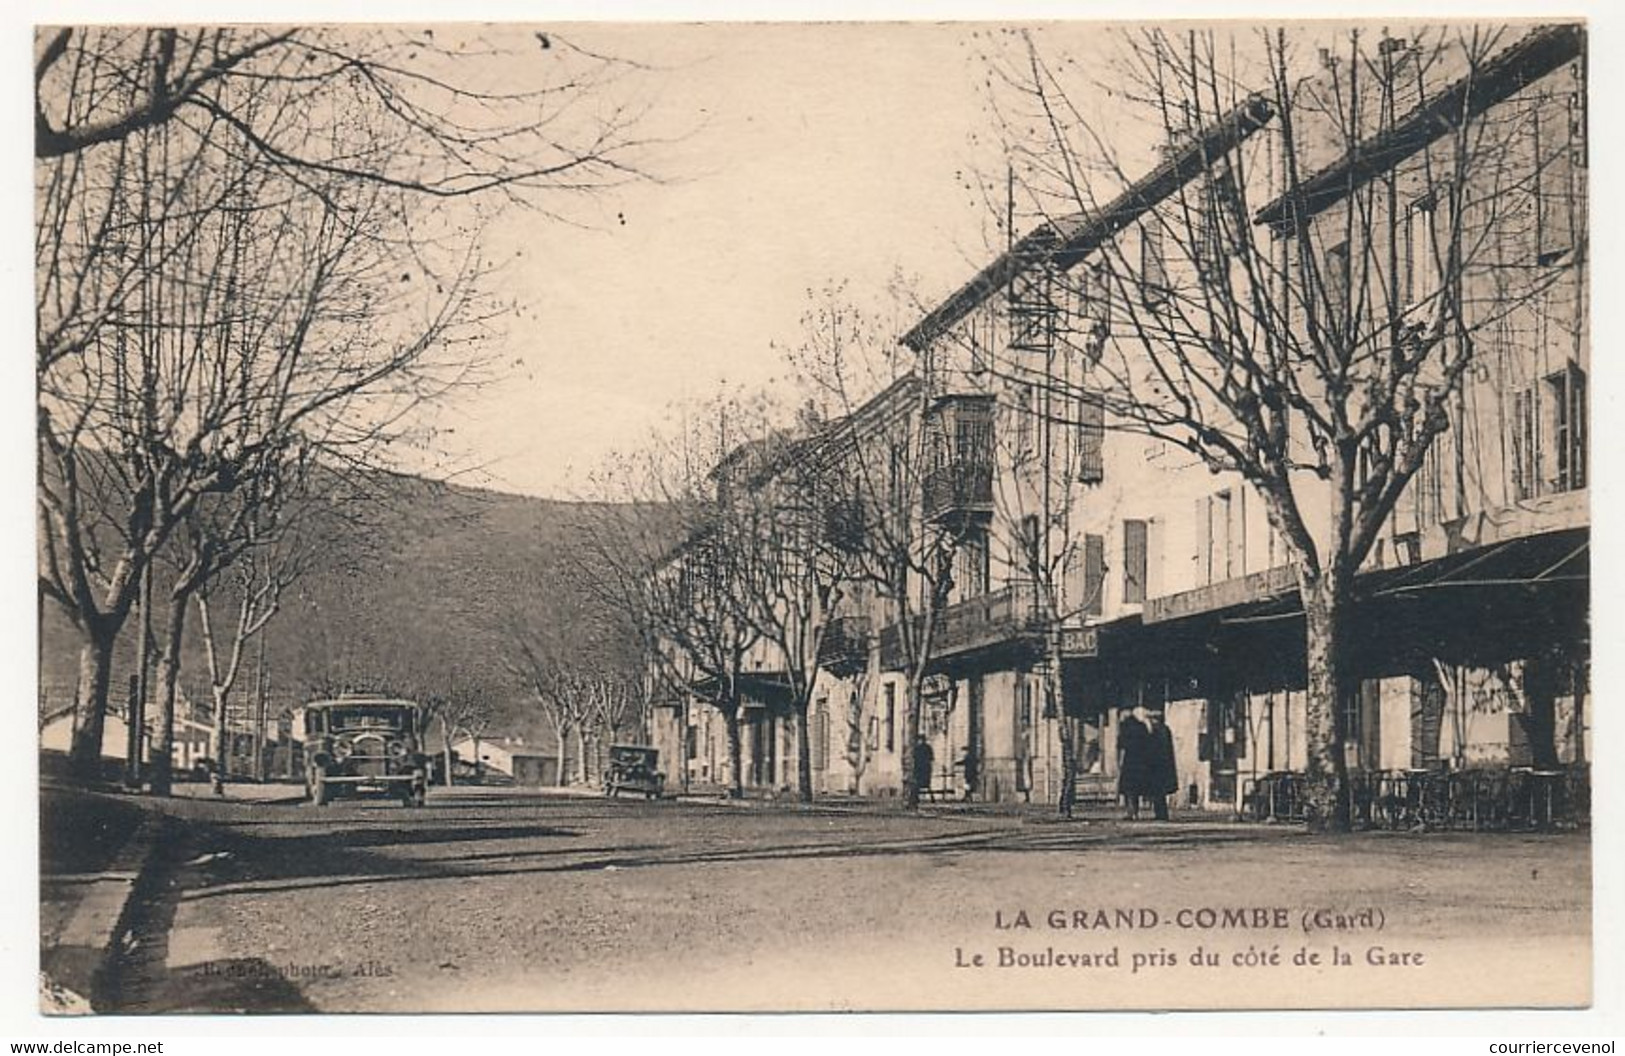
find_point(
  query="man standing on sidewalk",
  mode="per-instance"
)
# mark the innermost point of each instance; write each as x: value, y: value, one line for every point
x: 1161, y: 775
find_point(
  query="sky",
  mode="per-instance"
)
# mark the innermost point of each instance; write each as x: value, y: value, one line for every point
x: 798, y: 156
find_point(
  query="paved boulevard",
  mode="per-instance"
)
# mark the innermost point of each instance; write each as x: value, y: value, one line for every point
x: 488, y: 900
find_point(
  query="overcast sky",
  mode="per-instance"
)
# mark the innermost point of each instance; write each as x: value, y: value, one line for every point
x: 808, y: 154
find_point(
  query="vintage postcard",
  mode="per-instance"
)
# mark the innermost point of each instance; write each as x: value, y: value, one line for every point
x: 729, y: 517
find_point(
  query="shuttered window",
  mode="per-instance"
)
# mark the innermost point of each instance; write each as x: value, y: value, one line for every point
x: 1552, y: 152
x: 1134, y: 550
x: 1094, y: 574
x: 1567, y: 391
x: 1091, y: 439
x: 1153, y: 266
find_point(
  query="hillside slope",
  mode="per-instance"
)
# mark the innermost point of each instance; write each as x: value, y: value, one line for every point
x: 419, y: 598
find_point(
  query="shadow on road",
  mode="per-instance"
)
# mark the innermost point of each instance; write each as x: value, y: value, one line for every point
x: 251, y: 861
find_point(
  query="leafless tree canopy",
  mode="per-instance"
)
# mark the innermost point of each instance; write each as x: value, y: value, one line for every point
x: 1291, y: 278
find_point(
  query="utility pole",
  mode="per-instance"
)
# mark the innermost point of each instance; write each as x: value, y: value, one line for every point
x: 136, y: 717
x: 259, y: 713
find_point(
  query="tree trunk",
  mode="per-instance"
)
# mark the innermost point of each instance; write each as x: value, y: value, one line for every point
x: 445, y: 735
x: 581, y: 754
x: 911, y: 735
x: 563, y: 730
x: 1325, y: 601
x: 90, y: 701
x: 736, y: 761
x: 169, y: 666
x: 1069, y: 763
x: 804, y: 788
x: 217, y: 736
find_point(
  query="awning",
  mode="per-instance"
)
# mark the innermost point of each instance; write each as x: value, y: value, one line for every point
x: 758, y: 688
x: 1485, y: 605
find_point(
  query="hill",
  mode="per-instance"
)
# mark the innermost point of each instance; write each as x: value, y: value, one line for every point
x: 415, y: 591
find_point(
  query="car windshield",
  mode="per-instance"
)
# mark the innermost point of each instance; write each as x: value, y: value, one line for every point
x: 394, y: 719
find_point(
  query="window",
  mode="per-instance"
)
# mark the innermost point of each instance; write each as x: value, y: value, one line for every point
x: 1223, y: 536
x: 972, y: 574
x: 1430, y: 487
x: 1525, y: 446
x: 1096, y: 293
x: 1551, y: 151
x: 1030, y: 557
x: 1094, y: 575
x: 973, y: 438
x: 1091, y: 439
x: 1153, y: 267
x: 889, y: 717
x: 1134, y: 549
x: 1567, y: 392
x: 1023, y: 441
x: 1418, y: 256
x: 1335, y: 276
x: 1223, y: 226
x: 820, y: 735
x: 1218, y: 539
x: 895, y: 477
x: 1549, y: 426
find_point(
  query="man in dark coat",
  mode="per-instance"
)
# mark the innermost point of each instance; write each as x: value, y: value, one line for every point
x: 1133, y: 745
x: 924, y: 760
x: 1160, y: 776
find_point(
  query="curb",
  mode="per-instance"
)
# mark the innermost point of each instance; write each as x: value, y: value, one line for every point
x: 100, y: 923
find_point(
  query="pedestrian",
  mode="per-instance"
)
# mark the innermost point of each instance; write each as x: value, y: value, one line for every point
x: 1161, y: 776
x: 924, y: 760
x: 1133, y: 733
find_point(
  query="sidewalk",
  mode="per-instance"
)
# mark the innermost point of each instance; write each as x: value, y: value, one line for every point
x: 243, y: 791
x: 93, y: 848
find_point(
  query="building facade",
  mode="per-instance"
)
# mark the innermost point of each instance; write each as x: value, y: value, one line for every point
x: 1094, y: 567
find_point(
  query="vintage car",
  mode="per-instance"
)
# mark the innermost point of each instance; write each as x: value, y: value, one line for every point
x: 633, y: 768
x: 358, y: 746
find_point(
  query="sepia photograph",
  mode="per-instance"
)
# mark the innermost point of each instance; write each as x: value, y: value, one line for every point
x: 739, y: 517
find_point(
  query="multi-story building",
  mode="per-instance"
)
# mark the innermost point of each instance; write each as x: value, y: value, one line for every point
x: 1094, y: 567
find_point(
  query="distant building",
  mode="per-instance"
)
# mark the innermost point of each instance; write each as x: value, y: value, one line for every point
x: 527, y: 764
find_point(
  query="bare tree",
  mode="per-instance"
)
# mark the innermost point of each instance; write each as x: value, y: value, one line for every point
x: 880, y: 457
x: 786, y: 512
x: 434, y: 122
x: 1294, y: 291
x: 854, y: 717
x: 243, y: 351
x: 680, y: 559
x: 232, y: 260
x: 277, y: 549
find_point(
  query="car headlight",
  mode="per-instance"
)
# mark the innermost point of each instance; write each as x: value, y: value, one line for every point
x: 397, y: 750
x: 342, y: 749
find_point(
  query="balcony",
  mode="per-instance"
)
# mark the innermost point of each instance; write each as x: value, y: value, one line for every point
x: 844, y: 649
x: 1011, y: 616
x: 958, y: 482
x: 959, y: 489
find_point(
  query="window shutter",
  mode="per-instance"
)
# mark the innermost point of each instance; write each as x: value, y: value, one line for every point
x: 1202, y: 519
x: 1134, y: 551
x: 1552, y: 153
x: 1091, y: 439
x: 1153, y: 266
x: 1094, y: 574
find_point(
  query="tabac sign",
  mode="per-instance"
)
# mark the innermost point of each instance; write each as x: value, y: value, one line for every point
x: 1080, y: 642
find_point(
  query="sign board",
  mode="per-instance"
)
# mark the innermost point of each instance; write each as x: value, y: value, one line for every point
x: 1080, y: 642
x: 1270, y: 583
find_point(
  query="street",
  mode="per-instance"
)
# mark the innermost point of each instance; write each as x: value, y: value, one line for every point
x: 495, y: 900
